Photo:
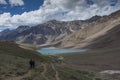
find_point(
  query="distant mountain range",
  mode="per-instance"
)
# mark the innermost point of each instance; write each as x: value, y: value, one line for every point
x: 77, y: 34
x: 46, y: 32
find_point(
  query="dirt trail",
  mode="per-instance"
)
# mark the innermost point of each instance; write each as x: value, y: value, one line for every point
x: 56, y: 72
x: 20, y: 77
x: 29, y: 74
x: 43, y: 73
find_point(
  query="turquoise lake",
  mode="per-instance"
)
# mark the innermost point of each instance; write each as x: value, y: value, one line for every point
x: 59, y: 51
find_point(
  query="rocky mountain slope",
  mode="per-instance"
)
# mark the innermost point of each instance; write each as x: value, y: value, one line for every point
x: 102, y: 28
x: 110, y: 40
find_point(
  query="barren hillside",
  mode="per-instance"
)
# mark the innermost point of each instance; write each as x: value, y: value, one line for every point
x: 88, y: 35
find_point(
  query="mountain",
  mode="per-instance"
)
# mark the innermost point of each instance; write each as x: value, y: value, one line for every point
x: 5, y: 32
x: 74, y: 34
x: 11, y: 34
x: 20, y: 29
x: 46, y: 33
x: 110, y: 40
x: 94, y: 33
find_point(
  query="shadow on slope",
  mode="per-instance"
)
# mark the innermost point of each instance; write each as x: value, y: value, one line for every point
x: 110, y: 40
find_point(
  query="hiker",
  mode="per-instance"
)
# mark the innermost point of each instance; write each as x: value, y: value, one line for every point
x: 32, y: 64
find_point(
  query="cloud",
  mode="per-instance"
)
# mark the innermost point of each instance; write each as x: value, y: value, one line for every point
x: 13, y: 2
x: 3, y: 2
x: 63, y: 10
x: 16, y: 2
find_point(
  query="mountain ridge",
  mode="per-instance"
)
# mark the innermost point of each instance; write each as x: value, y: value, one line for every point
x: 63, y: 33
x: 40, y: 34
x: 87, y: 35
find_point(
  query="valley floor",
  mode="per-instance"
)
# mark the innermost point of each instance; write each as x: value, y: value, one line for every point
x: 91, y: 65
x: 96, y: 61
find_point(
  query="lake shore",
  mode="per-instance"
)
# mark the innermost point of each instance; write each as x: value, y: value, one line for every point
x: 53, y: 50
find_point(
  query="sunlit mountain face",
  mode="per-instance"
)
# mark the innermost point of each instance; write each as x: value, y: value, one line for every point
x: 14, y: 13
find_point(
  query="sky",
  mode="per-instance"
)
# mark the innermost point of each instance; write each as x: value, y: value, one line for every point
x: 14, y: 13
